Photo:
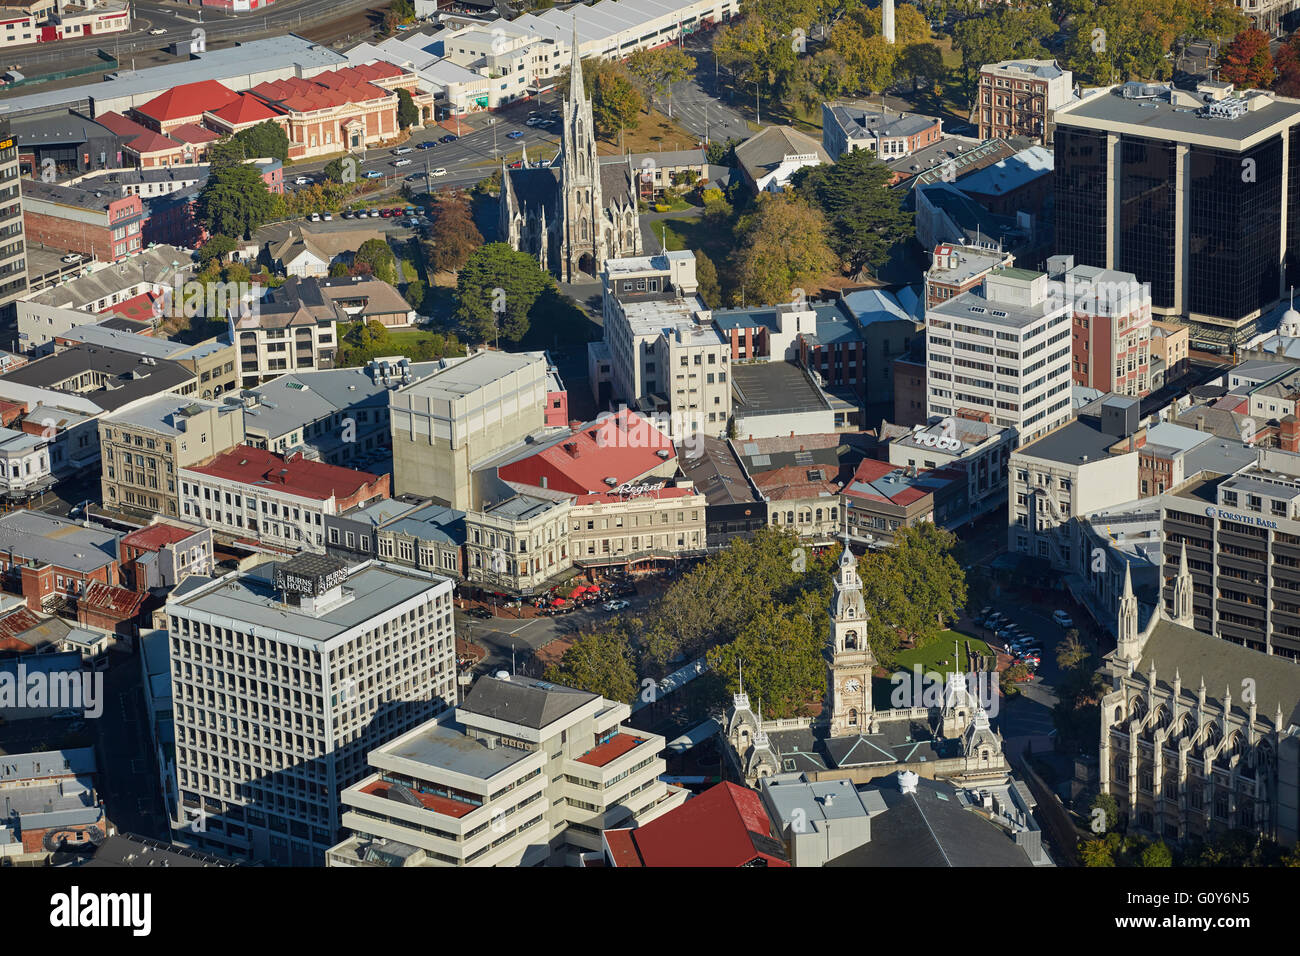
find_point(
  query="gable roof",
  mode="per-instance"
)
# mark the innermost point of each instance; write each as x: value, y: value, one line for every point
x: 724, y: 826
x: 523, y: 701
x: 189, y: 99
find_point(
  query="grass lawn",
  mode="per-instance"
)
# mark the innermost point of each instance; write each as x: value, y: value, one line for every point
x: 656, y: 133
x: 940, y: 649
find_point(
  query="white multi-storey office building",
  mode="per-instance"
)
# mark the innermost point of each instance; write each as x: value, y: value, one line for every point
x: 524, y: 773
x: 1001, y: 351
x: 283, y: 678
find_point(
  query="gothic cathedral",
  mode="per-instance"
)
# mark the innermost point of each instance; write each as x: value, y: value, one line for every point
x: 848, y: 691
x: 577, y: 212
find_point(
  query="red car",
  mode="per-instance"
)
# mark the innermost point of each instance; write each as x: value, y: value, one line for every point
x: 395, y: 212
x: 386, y: 213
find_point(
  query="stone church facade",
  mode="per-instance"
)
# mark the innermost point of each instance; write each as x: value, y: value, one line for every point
x: 1185, y: 761
x: 577, y: 212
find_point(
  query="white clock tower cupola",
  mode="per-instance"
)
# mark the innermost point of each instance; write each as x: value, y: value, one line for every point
x: 848, y: 691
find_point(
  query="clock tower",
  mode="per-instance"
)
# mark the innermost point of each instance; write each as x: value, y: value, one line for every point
x: 850, y: 661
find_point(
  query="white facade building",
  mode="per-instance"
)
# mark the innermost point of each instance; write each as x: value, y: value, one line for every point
x: 283, y: 679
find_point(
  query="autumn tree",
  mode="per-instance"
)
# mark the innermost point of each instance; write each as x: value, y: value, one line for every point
x: 453, y: 235
x: 599, y: 662
x: 782, y: 246
x: 1247, y: 62
x: 655, y: 71
x: 616, y: 103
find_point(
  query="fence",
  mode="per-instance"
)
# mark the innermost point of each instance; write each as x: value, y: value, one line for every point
x: 107, y: 63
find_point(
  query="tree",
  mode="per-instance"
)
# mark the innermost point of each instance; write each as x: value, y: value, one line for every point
x: 599, y: 662
x: 415, y: 293
x: 338, y: 270
x: 234, y: 201
x: 781, y: 247
x: 1287, y: 64
x: 1109, y: 811
x: 1097, y: 853
x: 657, y: 70
x: 228, y: 151
x: 218, y: 247
x: 408, y: 114
x: 1001, y: 33
x: 495, y: 290
x: 1246, y: 61
x: 865, y: 216
x: 920, y: 62
x: 265, y: 140
x: 781, y: 652
x: 1072, y: 653
x: 706, y: 277
x: 375, y: 254
x: 1158, y: 854
x: 453, y: 235
x: 334, y: 168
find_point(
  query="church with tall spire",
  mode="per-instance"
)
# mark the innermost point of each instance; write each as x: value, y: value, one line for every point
x: 577, y: 212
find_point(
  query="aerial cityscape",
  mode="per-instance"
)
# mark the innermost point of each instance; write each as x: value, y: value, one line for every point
x: 649, y: 433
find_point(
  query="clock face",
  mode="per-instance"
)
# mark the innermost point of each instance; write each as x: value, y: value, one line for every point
x: 852, y: 685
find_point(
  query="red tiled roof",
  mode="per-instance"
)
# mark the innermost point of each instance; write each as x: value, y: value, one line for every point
x: 156, y: 536
x: 194, y: 133
x: 334, y: 88
x: 121, y: 125
x: 443, y: 805
x: 296, y: 475
x: 624, y: 446
x: 246, y: 108
x: 610, y: 750
x: 153, y: 143
x: 139, y: 307
x: 724, y: 826
x: 189, y: 99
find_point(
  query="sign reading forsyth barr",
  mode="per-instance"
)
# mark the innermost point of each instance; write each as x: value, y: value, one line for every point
x: 1255, y: 520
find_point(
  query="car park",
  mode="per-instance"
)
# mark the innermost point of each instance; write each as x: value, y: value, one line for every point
x: 616, y: 605
x: 374, y: 213
x: 346, y: 214
x: 314, y: 217
x: 386, y: 213
x: 70, y: 258
x: 396, y: 211
x: 328, y: 217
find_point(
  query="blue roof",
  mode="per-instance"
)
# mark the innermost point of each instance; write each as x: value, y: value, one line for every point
x: 873, y: 305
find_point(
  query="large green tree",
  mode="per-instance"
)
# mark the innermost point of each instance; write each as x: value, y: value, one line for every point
x: 264, y: 140
x: 615, y: 101
x: 780, y: 650
x: 865, y: 216
x: 600, y: 662
x: 408, y: 114
x: 655, y: 71
x: 378, y: 258
x: 495, y: 291
x: 234, y: 201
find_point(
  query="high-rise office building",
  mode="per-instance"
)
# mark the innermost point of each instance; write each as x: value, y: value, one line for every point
x: 283, y: 679
x: 1197, y: 194
x: 13, y: 247
x: 1001, y: 354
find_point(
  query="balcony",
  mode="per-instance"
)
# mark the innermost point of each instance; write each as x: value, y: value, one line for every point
x: 611, y: 750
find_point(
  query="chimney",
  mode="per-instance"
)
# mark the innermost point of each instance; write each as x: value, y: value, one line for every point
x: 572, y: 448
x: 1200, y: 423
x: 1289, y: 434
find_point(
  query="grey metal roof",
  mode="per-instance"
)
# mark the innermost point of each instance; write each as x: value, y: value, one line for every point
x: 1072, y: 444
x: 444, y: 744
x: 48, y: 539
x: 47, y: 763
x: 126, y: 376
x: 524, y: 701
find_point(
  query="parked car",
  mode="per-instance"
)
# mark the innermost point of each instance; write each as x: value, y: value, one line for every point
x: 1063, y: 619
x: 386, y: 213
x: 70, y: 258
x: 401, y: 150
x: 373, y: 174
x: 328, y: 217
x: 401, y: 162
x: 615, y: 605
x: 427, y: 144
x: 314, y: 217
x: 449, y: 138
x: 414, y: 177
x: 395, y: 211
x: 374, y: 214
x: 479, y: 612
x: 157, y: 32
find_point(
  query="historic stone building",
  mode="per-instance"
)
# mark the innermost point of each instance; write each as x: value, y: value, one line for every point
x: 950, y: 737
x: 1187, y: 763
x: 577, y: 212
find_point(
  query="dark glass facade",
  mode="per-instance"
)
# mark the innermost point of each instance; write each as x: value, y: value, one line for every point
x: 1080, y: 195
x: 1147, y: 237
x: 1293, y: 209
x: 1235, y: 223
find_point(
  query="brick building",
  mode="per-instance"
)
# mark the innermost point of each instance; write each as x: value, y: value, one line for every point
x: 1016, y: 98
x: 49, y: 799
x: 95, y: 223
x: 52, y: 561
x: 161, y: 554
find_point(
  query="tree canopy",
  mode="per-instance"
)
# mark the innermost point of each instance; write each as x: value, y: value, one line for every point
x: 600, y: 662
x: 616, y: 103
x: 781, y: 246
x: 865, y: 216
x: 234, y: 201
x: 495, y: 291
x: 378, y: 257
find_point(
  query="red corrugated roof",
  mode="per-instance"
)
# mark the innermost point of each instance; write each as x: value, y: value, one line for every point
x: 443, y: 805
x: 189, y: 99
x: 624, y: 447
x: 138, y: 307
x: 717, y: 828
x: 194, y: 133
x: 156, y: 536
x: 106, y: 597
x: 297, y: 475
x: 334, y: 88
x: 611, y: 750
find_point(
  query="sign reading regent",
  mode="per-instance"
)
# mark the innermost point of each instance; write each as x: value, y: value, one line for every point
x: 629, y: 490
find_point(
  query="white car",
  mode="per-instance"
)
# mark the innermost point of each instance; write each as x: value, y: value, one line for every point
x: 439, y: 172
x: 615, y: 605
x: 401, y: 151
x: 1063, y: 619
x: 70, y: 258
x: 315, y: 217
x: 402, y: 162
x: 328, y: 217
x: 302, y: 181
x: 157, y: 32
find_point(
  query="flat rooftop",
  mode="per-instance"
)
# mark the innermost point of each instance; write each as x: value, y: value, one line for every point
x: 472, y: 374
x: 1157, y: 117
x: 444, y: 745
x: 251, y: 599
x: 773, y: 387
x: 1073, y: 444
